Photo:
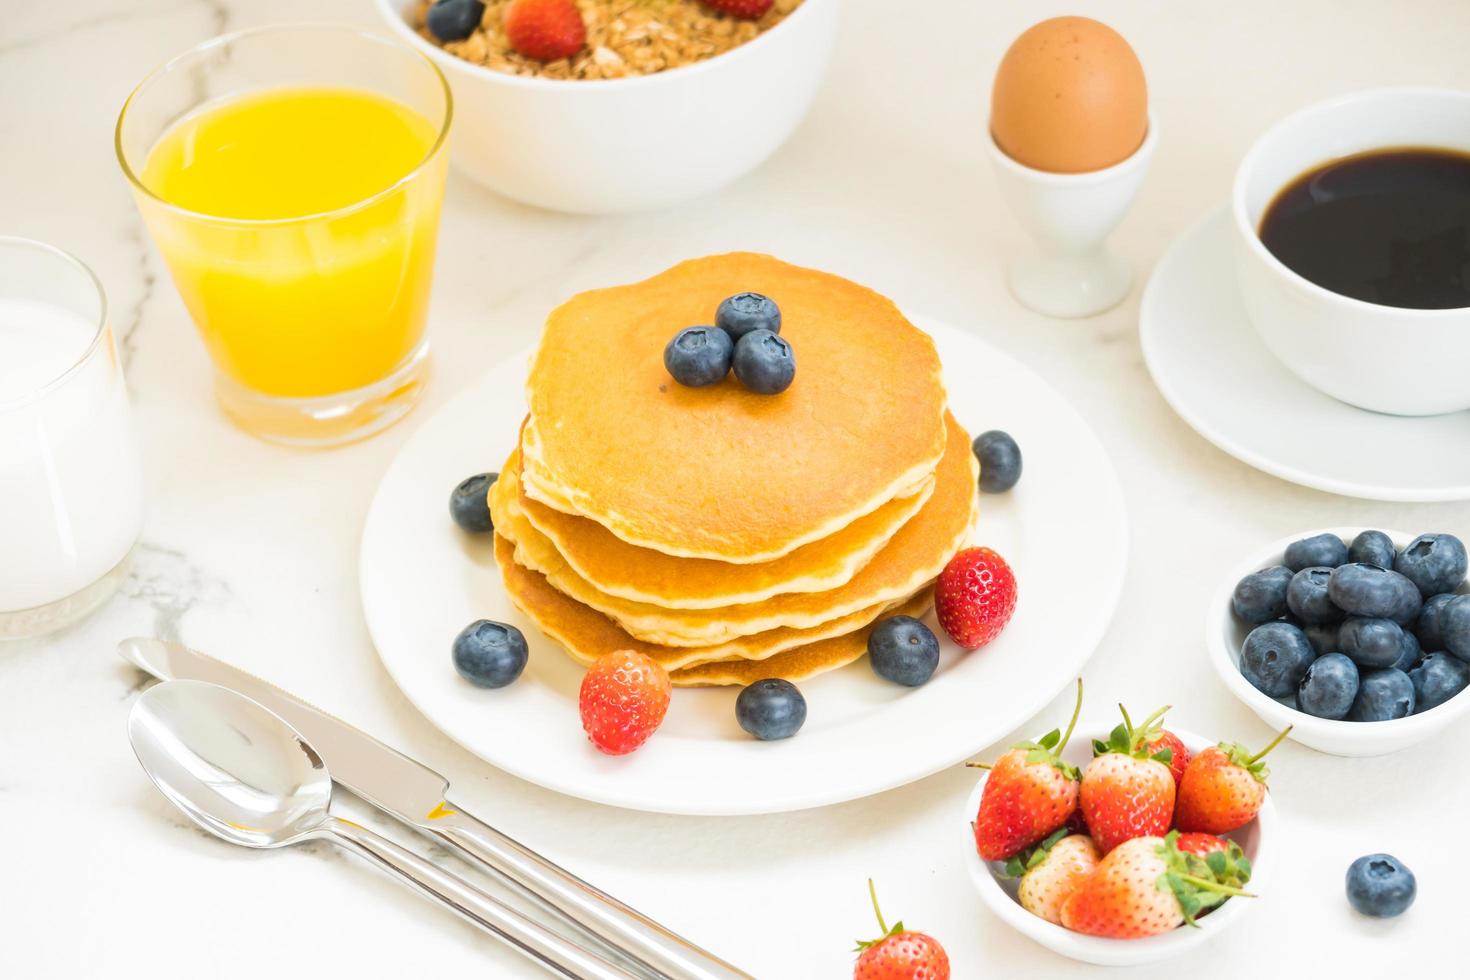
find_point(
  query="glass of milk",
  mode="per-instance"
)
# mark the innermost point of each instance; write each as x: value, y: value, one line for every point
x: 71, y: 482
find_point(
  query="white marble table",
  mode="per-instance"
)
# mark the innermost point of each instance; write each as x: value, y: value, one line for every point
x: 250, y: 550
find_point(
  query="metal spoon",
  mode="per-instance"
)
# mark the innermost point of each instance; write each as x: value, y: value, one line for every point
x: 246, y: 776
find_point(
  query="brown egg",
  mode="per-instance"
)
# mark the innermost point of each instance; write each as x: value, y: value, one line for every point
x: 1069, y: 97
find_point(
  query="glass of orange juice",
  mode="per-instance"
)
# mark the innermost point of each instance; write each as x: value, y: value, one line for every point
x: 292, y: 178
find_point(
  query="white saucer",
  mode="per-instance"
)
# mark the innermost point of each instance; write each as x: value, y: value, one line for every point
x: 1211, y: 367
x: 423, y: 580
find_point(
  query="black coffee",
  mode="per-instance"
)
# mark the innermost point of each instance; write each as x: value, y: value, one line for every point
x: 1389, y: 226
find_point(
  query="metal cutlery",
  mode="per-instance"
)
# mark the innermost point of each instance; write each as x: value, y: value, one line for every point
x: 246, y: 776
x: 419, y: 797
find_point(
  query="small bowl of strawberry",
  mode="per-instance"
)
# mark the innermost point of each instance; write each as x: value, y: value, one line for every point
x: 1131, y: 847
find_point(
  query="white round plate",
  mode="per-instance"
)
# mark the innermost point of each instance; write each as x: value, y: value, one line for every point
x: 423, y: 580
x: 1209, y: 364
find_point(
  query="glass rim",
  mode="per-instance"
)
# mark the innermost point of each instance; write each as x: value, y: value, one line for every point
x: 99, y: 330
x: 224, y: 40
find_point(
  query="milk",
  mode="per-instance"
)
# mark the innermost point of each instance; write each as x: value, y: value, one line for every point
x: 71, y: 488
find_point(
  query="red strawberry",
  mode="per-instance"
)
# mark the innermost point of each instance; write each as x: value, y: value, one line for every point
x: 1223, y: 788
x: 743, y: 9
x: 1201, y: 845
x: 1226, y: 861
x: 1029, y: 794
x: 899, y: 954
x: 1127, y: 793
x: 623, y: 700
x: 1144, y: 887
x: 1178, y: 754
x: 1053, y: 872
x: 974, y: 597
x: 545, y: 29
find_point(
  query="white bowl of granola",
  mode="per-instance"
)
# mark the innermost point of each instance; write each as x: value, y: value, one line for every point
x: 565, y: 137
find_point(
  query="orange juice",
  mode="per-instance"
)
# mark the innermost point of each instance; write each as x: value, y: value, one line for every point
x: 295, y: 235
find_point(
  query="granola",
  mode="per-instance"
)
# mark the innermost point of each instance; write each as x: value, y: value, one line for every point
x: 624, y: 38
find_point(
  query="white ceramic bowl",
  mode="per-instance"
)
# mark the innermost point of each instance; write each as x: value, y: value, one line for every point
x: 1382, y: 358
x: 602, y: 147
x: 1224, y: 635
x: 1258, y: 839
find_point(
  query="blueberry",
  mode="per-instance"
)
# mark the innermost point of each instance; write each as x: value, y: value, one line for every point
x: 1275, y: 657
x: 744, y: 312
x: 1429, y: 627
x: 1437, y: 678
x: 1454, y: 626
x: 1371, y: 642
x: 1372, y: 548
x: 1322, y: 550
x: 1307, y: 597
x: 1409, y: 653
x: 1261, y: 596
x: 1329, y: 686
x: 1382, y: 696
x: 903, y: 650
x: 1434, y: 562
x: 1000, y: 460
x: 469, y: 503
x: 1322, y: 636
x: 771, y: 709
x: 1379, y: 885
x: 764, y: 362
x: 699, y: 356
x: 489, y: 654
x: 454, y: 20
x: 1377, y: 593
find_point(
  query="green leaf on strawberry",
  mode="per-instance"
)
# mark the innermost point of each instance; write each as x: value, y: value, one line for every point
x: 1202, y: 883
x: 1019, y: 864
x: 1252, y: 762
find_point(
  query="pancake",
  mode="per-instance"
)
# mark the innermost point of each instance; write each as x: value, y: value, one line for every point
x: 913, y: 558
x: 721, y: 472
x: 587, y: 634
x: 800, y: 663
x: 626, y: 571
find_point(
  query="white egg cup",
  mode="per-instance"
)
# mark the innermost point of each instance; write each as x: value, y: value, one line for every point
x: 1072, y: 273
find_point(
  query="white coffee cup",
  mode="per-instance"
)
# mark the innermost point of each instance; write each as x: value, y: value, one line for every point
x: 1382, y: 358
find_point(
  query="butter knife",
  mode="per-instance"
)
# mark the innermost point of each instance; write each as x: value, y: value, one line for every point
x: 419, y: 797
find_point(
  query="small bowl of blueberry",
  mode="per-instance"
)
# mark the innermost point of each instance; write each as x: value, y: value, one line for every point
x: 1358, y: 638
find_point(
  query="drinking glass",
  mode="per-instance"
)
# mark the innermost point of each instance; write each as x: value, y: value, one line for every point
x: 315, y: 321
x: 71, y: 482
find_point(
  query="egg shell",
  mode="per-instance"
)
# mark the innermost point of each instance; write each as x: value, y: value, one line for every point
x: 1069, y: 97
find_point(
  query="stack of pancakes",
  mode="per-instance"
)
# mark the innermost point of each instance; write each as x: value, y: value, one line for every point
x: 731, y: 536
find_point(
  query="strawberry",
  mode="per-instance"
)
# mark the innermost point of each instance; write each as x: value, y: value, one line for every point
x: 975, y: 597
x: 1127, y: 791
x: 545, y: 29
x: 899, y: 954
x: 1144, y: 887
x: 1178, y: 755
x: 1226, y: 861
x: 1029, y: 794
x: 1052, y: 871
x: 623, y: 700
x: 742, y: 9
x: 1223, y: 787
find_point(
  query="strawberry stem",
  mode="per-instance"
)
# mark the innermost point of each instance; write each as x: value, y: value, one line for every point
x: 1274, y: 742
x: 873, y: 894
x: 977, y: 765
x: 1214, y: 886
x: 1076, y: 710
